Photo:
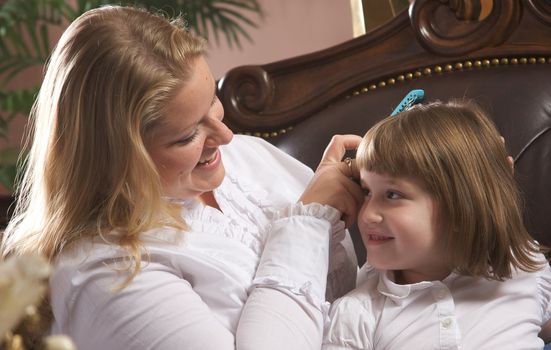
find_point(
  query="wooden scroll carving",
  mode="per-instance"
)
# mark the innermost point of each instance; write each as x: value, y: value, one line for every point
x: 444, y: 37
x: 268, y: 99
x: 541, y: 9
x: 248, y: 92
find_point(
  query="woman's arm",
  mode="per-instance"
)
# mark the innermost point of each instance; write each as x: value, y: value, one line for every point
x: 158, y: 310
x: 287, y: 307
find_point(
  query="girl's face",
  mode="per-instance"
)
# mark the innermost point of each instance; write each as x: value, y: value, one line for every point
x: 398, y: 223
x: 185, y: 148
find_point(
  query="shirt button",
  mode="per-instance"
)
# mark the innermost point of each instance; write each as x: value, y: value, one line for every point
x: 446, y: 323
x: 441, y: 294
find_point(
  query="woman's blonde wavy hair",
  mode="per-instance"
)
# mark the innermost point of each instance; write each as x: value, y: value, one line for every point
x: 87, y: 171
x: 455, y: 151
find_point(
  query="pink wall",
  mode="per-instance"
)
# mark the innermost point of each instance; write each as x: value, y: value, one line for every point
x: 289, y: 28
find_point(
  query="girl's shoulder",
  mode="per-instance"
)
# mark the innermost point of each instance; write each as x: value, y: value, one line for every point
x: 352, y: 318
x: 363, y: 296
x: 543, y: 292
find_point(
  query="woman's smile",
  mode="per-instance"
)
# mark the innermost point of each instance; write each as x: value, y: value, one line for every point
x: 186, y: 147
x: 208, y: 163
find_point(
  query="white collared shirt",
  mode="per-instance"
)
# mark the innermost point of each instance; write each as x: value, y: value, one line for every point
x: 459, y: 312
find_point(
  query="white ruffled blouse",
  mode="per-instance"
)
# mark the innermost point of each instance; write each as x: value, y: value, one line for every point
x: 261, y: 251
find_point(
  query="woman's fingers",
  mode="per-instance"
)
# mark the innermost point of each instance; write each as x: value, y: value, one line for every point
x: 511, y: 162
x: 332, y: 185
x: 338, y: 146
x: 510, y: 159
x: 333, y: 182
x: 351, y: 169
x: 356, y: 195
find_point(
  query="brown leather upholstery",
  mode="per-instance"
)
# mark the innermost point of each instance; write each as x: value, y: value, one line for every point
x: 503, y: 62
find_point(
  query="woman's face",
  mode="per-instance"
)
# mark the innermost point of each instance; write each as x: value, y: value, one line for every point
x: 185, y: 147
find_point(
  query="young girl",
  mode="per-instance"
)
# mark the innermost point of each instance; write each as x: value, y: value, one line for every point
x: 450, y: 263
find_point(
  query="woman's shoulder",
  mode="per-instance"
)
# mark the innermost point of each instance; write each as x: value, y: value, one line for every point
x: 259, y: 166
x: 256, y: 154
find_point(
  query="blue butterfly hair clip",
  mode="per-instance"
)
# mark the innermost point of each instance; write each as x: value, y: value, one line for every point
x: 413, y: 97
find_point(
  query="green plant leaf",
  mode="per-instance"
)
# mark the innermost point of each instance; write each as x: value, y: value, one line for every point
x: 9, y: 156
x: 7, y: 176
x: 9, y: 166
x: 211, y: 18
x: 23, y: 29
x: 18, y: 101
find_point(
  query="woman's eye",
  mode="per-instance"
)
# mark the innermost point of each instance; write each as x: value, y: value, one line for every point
x: 188, y: 139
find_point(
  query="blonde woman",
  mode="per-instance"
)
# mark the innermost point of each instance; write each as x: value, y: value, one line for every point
x: 165, y: 230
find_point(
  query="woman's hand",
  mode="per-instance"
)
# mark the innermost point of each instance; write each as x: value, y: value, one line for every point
x: 333, y: 182
x: 510, y: 159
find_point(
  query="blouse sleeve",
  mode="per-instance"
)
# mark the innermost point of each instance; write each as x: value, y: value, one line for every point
x: 158, y: 310
x: 287, y: 303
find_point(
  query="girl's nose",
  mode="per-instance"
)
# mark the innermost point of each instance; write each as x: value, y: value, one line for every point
x: 370, y: 213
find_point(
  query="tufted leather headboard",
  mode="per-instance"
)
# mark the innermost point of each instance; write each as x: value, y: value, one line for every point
x: 502, y: 61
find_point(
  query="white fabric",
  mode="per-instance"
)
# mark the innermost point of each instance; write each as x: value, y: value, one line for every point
x: 459, y: 312
x: 191, y: 293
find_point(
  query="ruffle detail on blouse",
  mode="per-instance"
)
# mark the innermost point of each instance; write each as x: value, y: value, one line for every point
x: 316, y: 210
x: 207, y: 220
x: 257, y: 196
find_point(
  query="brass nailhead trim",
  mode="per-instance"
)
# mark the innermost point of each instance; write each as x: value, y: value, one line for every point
x: 450, y: 67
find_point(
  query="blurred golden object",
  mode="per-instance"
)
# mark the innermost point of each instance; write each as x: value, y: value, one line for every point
x: 23, y: 285
x: 58, y: 342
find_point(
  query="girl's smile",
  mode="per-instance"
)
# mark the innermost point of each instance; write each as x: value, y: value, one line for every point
x: 398, y: 223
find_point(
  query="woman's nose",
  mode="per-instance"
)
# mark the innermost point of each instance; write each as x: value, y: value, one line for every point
x: 219, y: 133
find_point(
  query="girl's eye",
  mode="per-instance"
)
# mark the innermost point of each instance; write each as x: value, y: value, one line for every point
x: 393, y: 195
x: 366, y: 192
x: 188, y: 139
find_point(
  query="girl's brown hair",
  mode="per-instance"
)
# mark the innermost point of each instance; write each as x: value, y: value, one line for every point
x: 456, y: 152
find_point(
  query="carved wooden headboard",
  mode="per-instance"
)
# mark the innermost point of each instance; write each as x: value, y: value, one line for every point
x: 503, y: 61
